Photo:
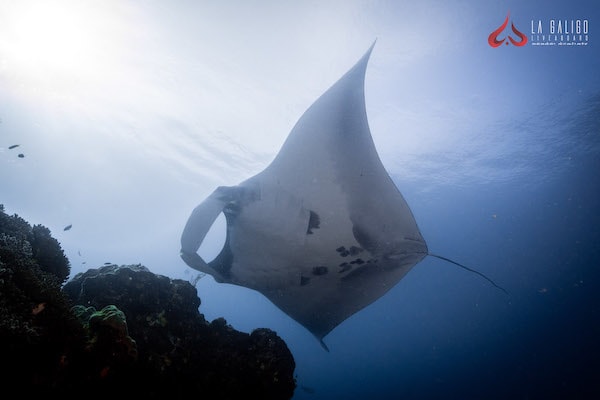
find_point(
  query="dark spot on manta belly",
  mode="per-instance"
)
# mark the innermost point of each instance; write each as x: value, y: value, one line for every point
x: 352, y: 251
x: 364, y: 271
x: 320, y: 270
x: 344, y: 267
x: 314, y: 221
x: 355, y: 250
x: 304, y: 280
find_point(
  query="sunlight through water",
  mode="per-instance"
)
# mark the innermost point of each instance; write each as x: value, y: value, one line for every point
x: 54, y: 46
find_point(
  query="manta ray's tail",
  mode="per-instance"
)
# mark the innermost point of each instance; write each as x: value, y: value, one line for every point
x: 470, y: 270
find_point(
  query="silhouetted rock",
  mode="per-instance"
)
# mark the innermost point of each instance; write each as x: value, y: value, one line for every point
x: 120, y: 330
x: 178, y: 351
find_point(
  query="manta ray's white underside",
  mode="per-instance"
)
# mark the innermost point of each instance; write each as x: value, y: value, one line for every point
x: 322, y: 231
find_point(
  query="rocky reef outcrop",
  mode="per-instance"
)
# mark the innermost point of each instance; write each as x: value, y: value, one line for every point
x: 121, y: 330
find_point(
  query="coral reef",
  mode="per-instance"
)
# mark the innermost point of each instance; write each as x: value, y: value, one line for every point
x: 120, y: 329
x: 178, y: 349
x: 38, y: 332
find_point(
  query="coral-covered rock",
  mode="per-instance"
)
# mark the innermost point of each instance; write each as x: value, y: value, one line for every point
x: 39, y: 336
x: 109, y: 342
x: 120, y: 330
x: 179, y: 349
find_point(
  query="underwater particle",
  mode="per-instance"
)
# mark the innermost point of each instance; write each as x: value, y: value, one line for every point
x: 66, y: 228
x: 21, y: 155
x: 13, y: 146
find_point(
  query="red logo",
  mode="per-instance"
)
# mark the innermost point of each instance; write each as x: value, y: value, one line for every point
x: 493, y: 38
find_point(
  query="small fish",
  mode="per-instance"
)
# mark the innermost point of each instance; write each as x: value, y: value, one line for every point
x: 21, y: 155
x: 104, y: 372
x: 13, y: 146
x: 68, y: 227
x: 38, y: 309
x: 108, y: 263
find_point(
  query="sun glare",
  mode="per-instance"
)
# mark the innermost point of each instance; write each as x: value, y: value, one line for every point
x: 53, y: 40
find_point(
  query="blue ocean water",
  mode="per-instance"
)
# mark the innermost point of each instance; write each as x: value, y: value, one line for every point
x: 496, y: 150
x: 455, y: 336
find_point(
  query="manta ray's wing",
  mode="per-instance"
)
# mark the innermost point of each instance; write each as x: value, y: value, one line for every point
x: 322, y: 231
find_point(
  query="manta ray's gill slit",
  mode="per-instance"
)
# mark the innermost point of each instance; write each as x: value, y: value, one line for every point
x: 314, y: 222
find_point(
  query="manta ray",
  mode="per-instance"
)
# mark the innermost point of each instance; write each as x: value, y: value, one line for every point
x: 322, y: 231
